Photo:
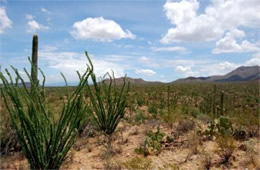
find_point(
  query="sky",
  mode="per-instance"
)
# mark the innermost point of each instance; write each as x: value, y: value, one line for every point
x: 157, y: 40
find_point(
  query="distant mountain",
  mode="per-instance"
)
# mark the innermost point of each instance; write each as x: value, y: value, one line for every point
x: 27, y: 84
x: 135, y: 81
x: 243, y: 73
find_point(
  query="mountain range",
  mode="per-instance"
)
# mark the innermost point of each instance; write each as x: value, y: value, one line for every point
x: 243, y: 73
x: 240, y: 74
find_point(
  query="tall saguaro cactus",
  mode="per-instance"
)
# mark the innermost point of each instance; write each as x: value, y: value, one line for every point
x: 214, y: 100
x: 34, y: 69
x: 168, y: 100
x: 222, y: 103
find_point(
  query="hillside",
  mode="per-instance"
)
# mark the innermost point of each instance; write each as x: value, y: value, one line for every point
x: 135, y: 81
x: 243, y: 73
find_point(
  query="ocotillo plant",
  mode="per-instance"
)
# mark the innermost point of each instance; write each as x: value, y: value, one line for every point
x: 108, y: 103
x: 44, y: 141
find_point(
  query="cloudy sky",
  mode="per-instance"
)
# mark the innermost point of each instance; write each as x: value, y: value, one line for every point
x: 157, y: 40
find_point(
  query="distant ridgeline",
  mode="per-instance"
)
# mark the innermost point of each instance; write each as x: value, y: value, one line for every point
x: 243, y: 73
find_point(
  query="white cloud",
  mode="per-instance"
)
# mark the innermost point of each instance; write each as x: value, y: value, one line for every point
x: 183, y: 69
x: 186, y: 70
x: 255, y: 60
x: 146, y: 72
x: 217, y: 68
x: 33, y: 26
x: 69, y: 62
x: 44, y: 10
x: 29, y: 17
x: 172, y: 49
x: 220, y: 68
x: 149, y: 62
x: 5, y: 22
x: 99, y: 29
x: 228, y: 44
x: 220, y: 16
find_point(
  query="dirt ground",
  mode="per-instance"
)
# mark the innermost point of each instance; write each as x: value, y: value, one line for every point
x: 187, y: 151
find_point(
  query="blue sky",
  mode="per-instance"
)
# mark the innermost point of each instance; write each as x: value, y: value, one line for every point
x: 160, y: 40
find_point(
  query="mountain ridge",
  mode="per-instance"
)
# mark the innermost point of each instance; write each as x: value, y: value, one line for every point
x: 240, y: 74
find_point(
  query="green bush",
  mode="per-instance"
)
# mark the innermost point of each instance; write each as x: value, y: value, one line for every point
x: 140, y: 100
x: 140, y: 116
x: 152, y: 109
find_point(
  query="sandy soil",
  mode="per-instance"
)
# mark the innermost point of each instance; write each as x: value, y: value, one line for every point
x: 91, y: 152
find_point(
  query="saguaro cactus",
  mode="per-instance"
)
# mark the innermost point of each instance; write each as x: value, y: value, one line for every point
x: 34, y: 66
x: 222, y: 103
x: 214, y: 100
x: 168, y: 101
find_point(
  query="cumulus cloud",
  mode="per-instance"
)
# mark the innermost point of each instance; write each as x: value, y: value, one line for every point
x: 220, y: 16
x: 69, y: 62
x: 186, y: 70
x: 255, y: 60
x: 146, y: 72
x: 5, y: 22
x: 33, y: 26
x: 229, y: 44
x: 99, y: 29
x: 171, y: 49
x: 219, y: 68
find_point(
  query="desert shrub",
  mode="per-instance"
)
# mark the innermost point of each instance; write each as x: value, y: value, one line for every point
x: 226, y: 145
x: 239, y: 134
x: 252, y: 156
x: 45, y: 142
x: 169, y: 139
x: 204, y: 118
x: 140, y: 100
x: 152, y: 109
x: 193, y: 142
x: 138, y: 163
x: 8, y: 138
x: 9, y: 142
x: 152, y: 144
x: 250, y: 122
x: 206, y: 160
x: 89, y: 128
x: 140, y: 116
x: 185, y: 126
